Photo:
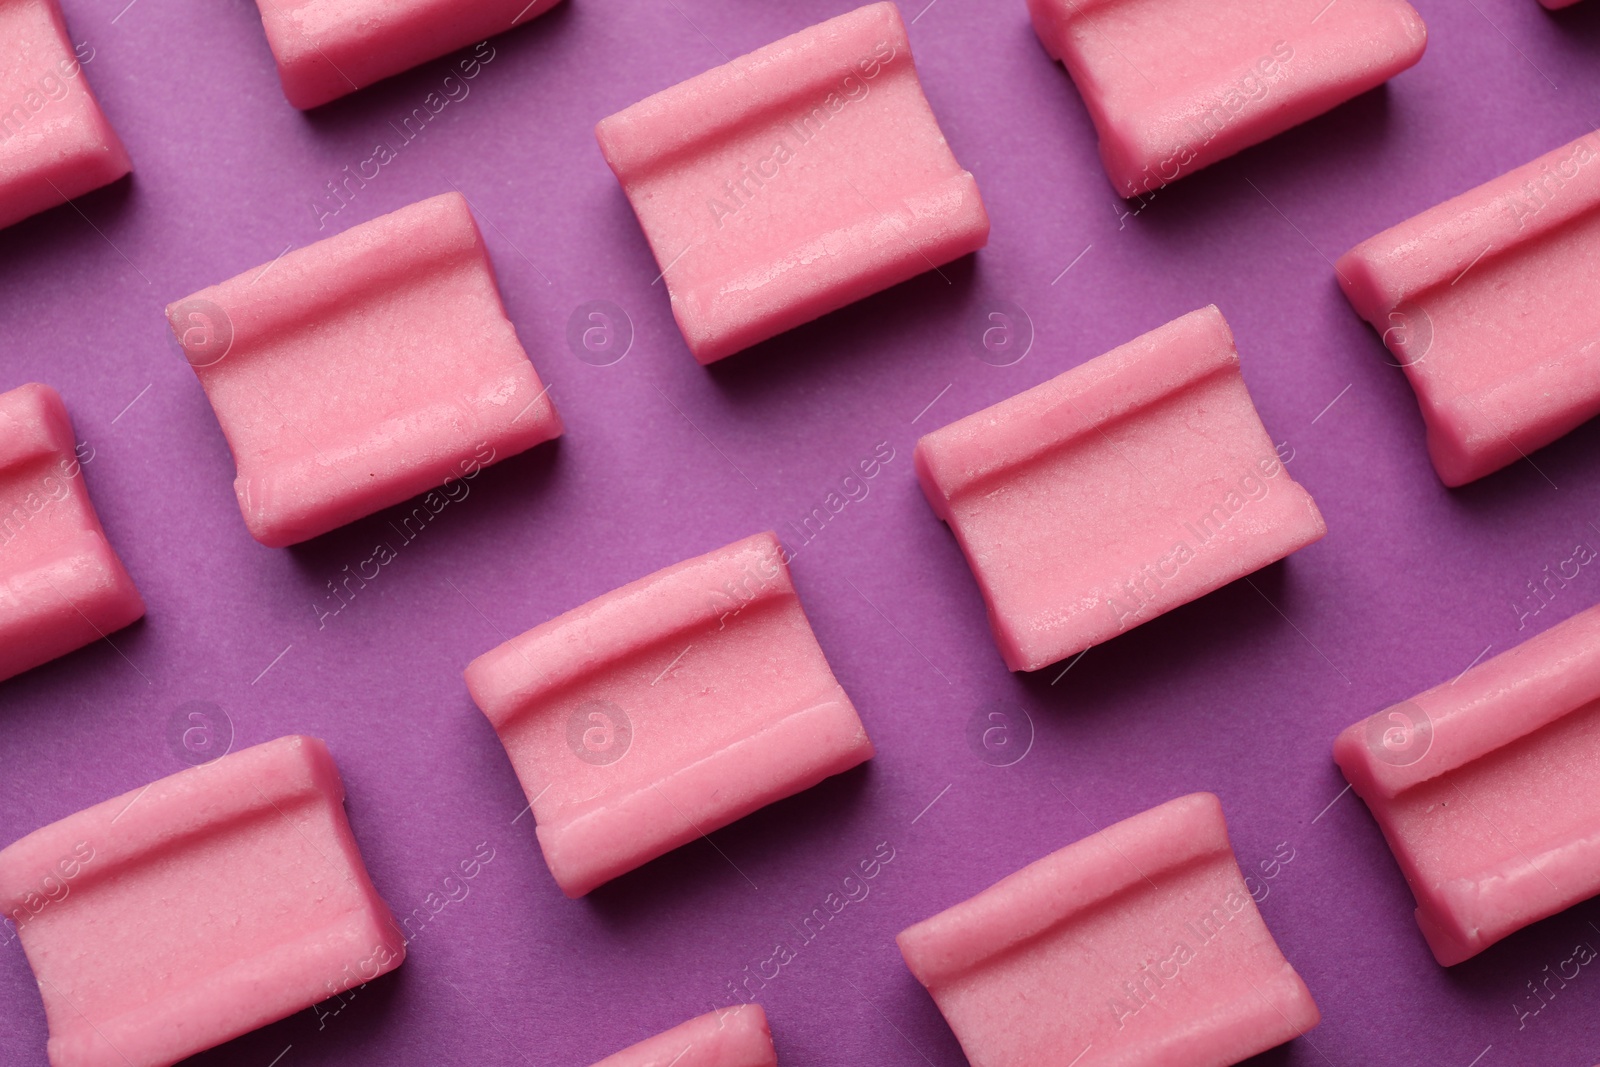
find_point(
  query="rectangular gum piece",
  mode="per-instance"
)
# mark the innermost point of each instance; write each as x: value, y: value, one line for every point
x: 1484, y: 788
x: 363, y: 369
x: 1138, y: 946
x: 61, y: 585
x: 208, y: 904
x: 1491, y: 303
x: 328, y: 48
x: 54, y: 142
x: 1115, y: 492
x: 793, y: 181
x: 667, y: 709
x: 727, y: 1037
x: 1176, y: 85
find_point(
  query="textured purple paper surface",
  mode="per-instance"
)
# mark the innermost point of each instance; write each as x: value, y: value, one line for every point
x: 1241, y: 693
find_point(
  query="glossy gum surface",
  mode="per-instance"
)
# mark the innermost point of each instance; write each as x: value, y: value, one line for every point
x: 54, y: 142
x: 728, y: 1037
x: 1491, y: 303
x: 61, y: 585
x: 1121, y: 489
x: 666, y: 709
x: 1484, y: 788
x: 173, y: 918
x: 793, y: 181
x: 1138, y: 946
x: 327, y: 48
x: 363, y: 370
x: 1175, y: 85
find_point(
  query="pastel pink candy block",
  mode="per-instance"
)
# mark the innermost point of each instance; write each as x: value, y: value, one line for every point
x: 1176, y: 85
x: 54, y: 142
x: 328, y: 48
x: 1115, y: 492
x: 728, y: 1037
x: 1491, y: 303
x: 1485, y: 788
x: 793, y: 181
x: 208, y: 904
x: 61, y: 585
x: 667, y: 709
x: 362, y: 370
x: 1138, y: 946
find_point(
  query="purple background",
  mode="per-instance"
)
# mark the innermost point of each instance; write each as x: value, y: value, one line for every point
x: 1232, y: 694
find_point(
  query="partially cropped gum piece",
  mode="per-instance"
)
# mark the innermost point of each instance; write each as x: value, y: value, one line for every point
x: 61, y: 585
x: 327, y: 48
x: 667, y: 709
x: 1138, y: 946
x: 54, y: 142
x: 1491, y: 303
x: 728, y: 1037
x: 793, y: 181
x: 207, y: 904
x: 1115, y: 492
x: 1176, y: 85
x: 1485, y: 788
x: 362, y: 370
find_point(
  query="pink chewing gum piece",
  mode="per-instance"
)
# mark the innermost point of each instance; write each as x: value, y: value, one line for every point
x: 61, y: 585
x: 728, y: 1037
x: 792, y: 181
x: 667, y: 709
x: 328, y: 48
x: 54, y: 142
x: 1138, y: 946
x: 1176, y: 85
x: 204, y: 906
x: 1484, y: 788
x: 1491, y: 303
x: 1115, y: 492
x: 362, y: 370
